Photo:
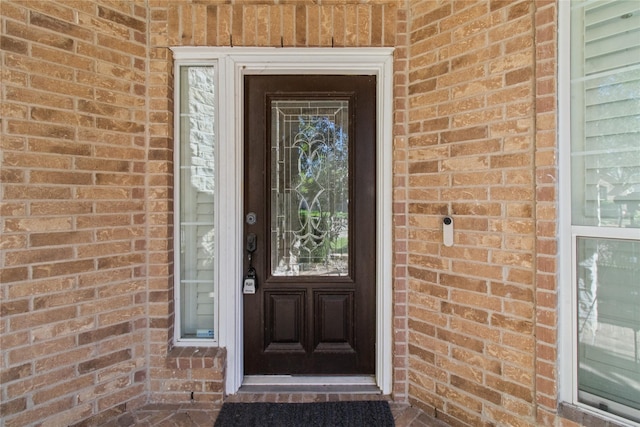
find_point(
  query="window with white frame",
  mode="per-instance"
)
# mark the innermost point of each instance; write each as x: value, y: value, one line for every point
x: 605, y: 205
x: 195, y: 200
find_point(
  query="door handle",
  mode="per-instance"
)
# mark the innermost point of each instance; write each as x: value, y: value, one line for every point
x: 252, y: 243
x: 250, y: 281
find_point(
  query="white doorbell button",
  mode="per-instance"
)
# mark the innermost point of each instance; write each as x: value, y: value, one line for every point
x: 447, y: 231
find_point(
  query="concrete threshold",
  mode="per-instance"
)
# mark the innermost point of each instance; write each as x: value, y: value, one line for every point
x: 309, y: 384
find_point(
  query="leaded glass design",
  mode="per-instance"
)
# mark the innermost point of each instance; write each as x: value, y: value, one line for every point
x: 309, y: 187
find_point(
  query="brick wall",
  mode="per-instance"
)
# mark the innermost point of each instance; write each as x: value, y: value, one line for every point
x: 546, y: 211
x: 87, y: 286
x: 481, y: 139
x: 74, y: 232
x: 194, y: 23
x: 86, y: 201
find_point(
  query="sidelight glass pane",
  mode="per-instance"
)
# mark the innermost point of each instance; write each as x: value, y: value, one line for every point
x: 608, y: 272
x: 196, y: 201
x: 309, y: 187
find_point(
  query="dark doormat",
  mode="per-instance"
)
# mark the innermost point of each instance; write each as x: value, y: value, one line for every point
x: 375, y: 413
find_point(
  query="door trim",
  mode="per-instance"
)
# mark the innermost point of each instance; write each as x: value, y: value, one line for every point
x: 233, y: 64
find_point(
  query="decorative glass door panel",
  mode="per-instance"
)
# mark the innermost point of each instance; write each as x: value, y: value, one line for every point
x: 309, y: 187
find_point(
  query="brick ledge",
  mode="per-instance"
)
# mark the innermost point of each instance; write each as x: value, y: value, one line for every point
x: 583, y: 417
x: 196, y: 358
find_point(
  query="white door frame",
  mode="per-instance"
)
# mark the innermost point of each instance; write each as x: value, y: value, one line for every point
x: 232, y: 65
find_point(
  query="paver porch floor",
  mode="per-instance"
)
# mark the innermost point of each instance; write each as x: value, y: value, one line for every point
x: 204, y: 414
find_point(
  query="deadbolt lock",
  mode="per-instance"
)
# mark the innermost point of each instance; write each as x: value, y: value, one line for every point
x: 251, y: 218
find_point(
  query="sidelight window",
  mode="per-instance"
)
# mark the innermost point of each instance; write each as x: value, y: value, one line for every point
x: 605, y: 205
x: 195, y: 199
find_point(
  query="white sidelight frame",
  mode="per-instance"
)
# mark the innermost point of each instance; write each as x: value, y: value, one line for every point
x: 178, y: 339
x: 233, y: 63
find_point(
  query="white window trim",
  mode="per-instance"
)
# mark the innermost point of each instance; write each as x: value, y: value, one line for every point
x: 233, y: 65
x: 568, y: 233
x: 567, y: 355
x: 178, y: 340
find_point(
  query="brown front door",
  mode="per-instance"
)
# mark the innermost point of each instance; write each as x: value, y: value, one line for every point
x: 310, y: 200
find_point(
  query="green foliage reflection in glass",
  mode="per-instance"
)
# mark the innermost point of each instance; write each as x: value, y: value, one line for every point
x: 322, y: 188
x: 311, y: 188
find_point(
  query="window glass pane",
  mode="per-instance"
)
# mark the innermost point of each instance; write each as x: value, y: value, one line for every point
x: 310, y: 187
x: 605, y: 113
x: 605, y: 193
x: 197, y: 187
x: 608, y: 273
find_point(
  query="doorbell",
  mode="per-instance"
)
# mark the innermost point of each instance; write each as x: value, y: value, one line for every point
x: 447, y: 231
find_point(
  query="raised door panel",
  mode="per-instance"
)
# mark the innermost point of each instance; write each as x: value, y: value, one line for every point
x: 286, y: 325
x: 334, y: 322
